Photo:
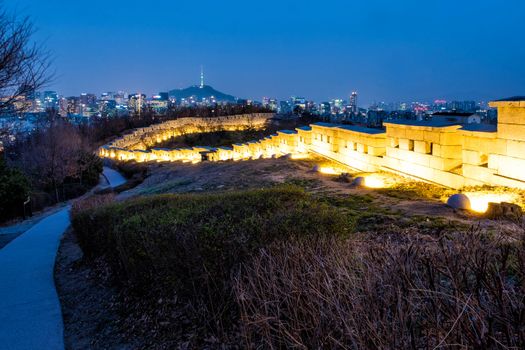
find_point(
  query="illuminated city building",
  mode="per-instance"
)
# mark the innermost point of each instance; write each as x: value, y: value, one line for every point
x: 353, y: 102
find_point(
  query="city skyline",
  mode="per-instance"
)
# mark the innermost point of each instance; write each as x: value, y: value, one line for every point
x: 118, y: 104
x: 379, y: 49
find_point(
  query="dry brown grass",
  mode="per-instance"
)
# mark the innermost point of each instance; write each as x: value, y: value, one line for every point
x: 91, y: 202
x: 413, y: 292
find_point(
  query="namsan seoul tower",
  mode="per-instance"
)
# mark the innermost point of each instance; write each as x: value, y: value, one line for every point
x: 202, y: 77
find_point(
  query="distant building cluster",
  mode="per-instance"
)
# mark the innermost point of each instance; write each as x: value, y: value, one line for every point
x: 112, y: 104
x: 348, y: 111
x: 108, y: 104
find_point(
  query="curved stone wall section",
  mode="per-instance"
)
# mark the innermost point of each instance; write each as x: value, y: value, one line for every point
x: 441, y: 151
x: 133, y: 146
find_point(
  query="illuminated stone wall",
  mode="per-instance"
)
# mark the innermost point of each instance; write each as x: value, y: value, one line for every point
x: 498, y: 157
x: 428, y: 151
x: 360, y: 148
x: 133, y: 146
x: 438, y: 151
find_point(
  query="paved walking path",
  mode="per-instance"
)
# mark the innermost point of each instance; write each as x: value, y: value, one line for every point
x: 114, y: 177
x: 30, y: 316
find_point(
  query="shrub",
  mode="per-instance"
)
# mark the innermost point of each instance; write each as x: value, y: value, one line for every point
x: 194, y: 243
x: 89, y: 167
x: 90, y: 203
x: 41, y: 199
x: 14, y: 190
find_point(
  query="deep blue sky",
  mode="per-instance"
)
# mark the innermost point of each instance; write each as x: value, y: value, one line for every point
x: 387, y: 50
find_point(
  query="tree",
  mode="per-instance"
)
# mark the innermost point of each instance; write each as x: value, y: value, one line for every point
x: 23, y: 64
x: 14, y: 190
x: 58, y: 157
x: 51, y: 155
x: 89, y: 168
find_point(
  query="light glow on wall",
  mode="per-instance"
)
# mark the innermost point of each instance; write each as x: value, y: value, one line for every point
x: 375, y: 181
x: 329, y: 170
x: 479, y: 201
x: 300, y: 156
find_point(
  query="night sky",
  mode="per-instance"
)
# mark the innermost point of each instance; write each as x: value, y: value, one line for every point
x: 387, y: 50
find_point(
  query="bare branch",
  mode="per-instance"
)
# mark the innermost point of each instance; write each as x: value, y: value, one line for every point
x: 24, y: 66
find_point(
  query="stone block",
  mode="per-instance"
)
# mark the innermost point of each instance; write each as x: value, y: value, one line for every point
x: 516, y: 149
x: 483, y: 144
x: 415, y: 134
x: 393, y: 142
x: 504, y: 210
x: 450, y: 138
x: 487, y: 146
x: 511, y: 115
x: 502, y: 104
x: 445, y: 164
x: 448, y: 179
x: 361, y: 148
x: 451, y: 151
x: 431, y: 136
x: 376, y: 151
x: 506, y: 182
x: 392, y: 152
x: 471, y: 143
x: 511, y: 131
x: 395, y: 131
x: 478, y: 173
x: 402, y: 166
x: 474, y: 157
x: 376, y: 141
x: 422, y: 147
x: 511, y: 167
x: 406, y: 144
x: 436, y: 150
x: 420, y: 171
x: 392, y: 163
x: 415, y: 158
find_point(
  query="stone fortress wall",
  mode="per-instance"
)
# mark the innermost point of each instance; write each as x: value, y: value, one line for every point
x: 441, y: 151
x: 133, y: 146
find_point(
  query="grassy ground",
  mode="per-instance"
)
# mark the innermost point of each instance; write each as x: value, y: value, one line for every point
x: 414, y: 190
x: 228, y: 138
x: 214, y: 139
x: 269, y: 254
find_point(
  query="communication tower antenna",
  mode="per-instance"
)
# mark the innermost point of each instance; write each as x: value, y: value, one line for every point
x: 202, y: 77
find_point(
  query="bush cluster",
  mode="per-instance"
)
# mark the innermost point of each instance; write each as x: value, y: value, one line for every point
x: 194, y: 243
